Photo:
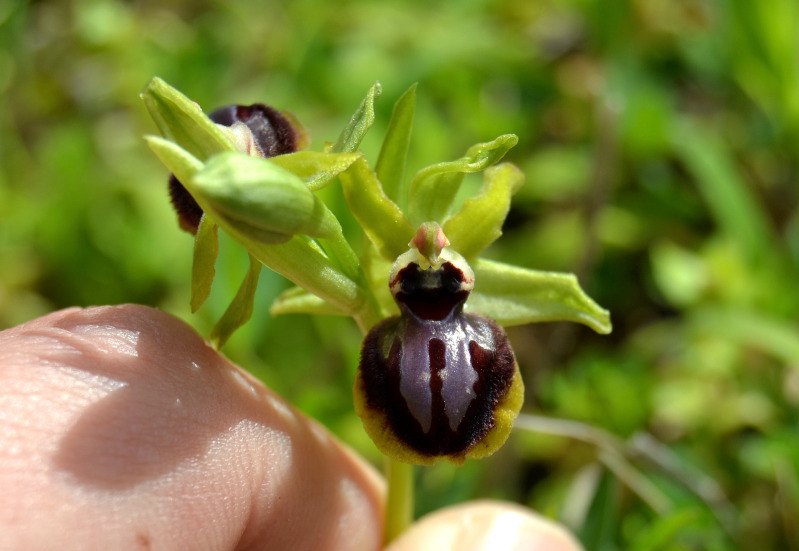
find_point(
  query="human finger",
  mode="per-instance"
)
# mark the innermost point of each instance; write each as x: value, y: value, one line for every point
x: 122, y: 429
x: 485, y: 526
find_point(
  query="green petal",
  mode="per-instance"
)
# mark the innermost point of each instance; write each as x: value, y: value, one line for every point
x: 390, y: 167
x: 479, y: 221
x: 299, y: 301
x: 265, y: 202
x: 433, y: 188
x: 380, y: 217
x: 359, y: 124
x: 514, y: 296
x: 206, y: 249
x: 240, y: 309
x: 181, y: 120
x: 317, y: 169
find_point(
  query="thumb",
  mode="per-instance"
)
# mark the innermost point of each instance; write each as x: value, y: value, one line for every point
x: 122, y: 429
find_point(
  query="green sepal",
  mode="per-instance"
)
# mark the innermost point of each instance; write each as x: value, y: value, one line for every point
x: 390, y: 167
x: 240, y: 309
x: 479, y: 221
x: 514, y: 296
x: 302, y: 261
x: 381, y: 218
x: 350, y: 138
x: 317, y: 169
x: 206, y: 249
x: 182, y: 121
x: 180, y: 162
x: 299, y: 301
x: 433, y: 188
x: 263, y: 200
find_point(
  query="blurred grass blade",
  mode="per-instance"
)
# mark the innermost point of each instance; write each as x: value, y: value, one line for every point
x: 735, y: 208
x: 380, y: 217
x: 317, y: 169
x: 299, y: 301
x: 479, y: 221
x: 240, y: 309
x: 513, y: 296
x: 350, y: 138
x: 636, y: 481
x: 771, y: 335
x: 664, y: 531
x: 433, y: 188
x: 390, y: 167
x: 206, y: 249
x: 181, y: 120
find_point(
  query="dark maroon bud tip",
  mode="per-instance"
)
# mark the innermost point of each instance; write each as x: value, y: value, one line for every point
x: 272, y: 132
x: 189, y: 212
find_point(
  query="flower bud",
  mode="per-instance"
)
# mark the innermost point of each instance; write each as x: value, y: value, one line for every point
x: 261, y: 200
x: 257, y: 130
x: 436, y: 382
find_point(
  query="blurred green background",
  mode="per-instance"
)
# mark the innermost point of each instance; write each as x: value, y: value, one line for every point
x: 660, y: 141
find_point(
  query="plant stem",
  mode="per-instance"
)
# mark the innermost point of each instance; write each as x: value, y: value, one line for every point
x: 399, y: 503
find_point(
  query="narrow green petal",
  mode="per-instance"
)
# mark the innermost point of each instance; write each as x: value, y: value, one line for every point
x: 390, y: 167
x: 380, y: 217
x: 514, y: 296
x: 317, y: 169
x: 240, y: 308
x: 181, y: 120
x: 206, y: 249
x: 299, y: 301
x: 359, y: 124
x: 479, y: 221
x: 433, y: 188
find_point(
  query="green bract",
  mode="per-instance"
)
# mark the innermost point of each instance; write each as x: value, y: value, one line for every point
x: 269, y: 206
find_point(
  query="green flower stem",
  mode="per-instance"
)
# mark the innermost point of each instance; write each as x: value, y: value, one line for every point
x: 399, y: 503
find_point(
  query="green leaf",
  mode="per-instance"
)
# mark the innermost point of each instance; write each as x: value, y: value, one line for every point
x: 299, y: 301
x: 380, y: 217
x: 514, y: 296
x: 265, y: 201
x: 206, y: 249
x: 390, y: 167
x: 317, y: 169
x: 433, y: 188
x: 479, y: 221
x: 181, y: 120
x: 240, y: 309
x: 359, y: 124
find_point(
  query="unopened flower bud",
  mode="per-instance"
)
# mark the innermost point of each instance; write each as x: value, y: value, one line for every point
x: 257, y: 130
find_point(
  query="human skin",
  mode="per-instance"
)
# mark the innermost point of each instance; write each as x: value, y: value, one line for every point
x: 121, y: 428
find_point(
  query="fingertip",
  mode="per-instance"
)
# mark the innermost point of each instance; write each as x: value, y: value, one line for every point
x: 485, y: 525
